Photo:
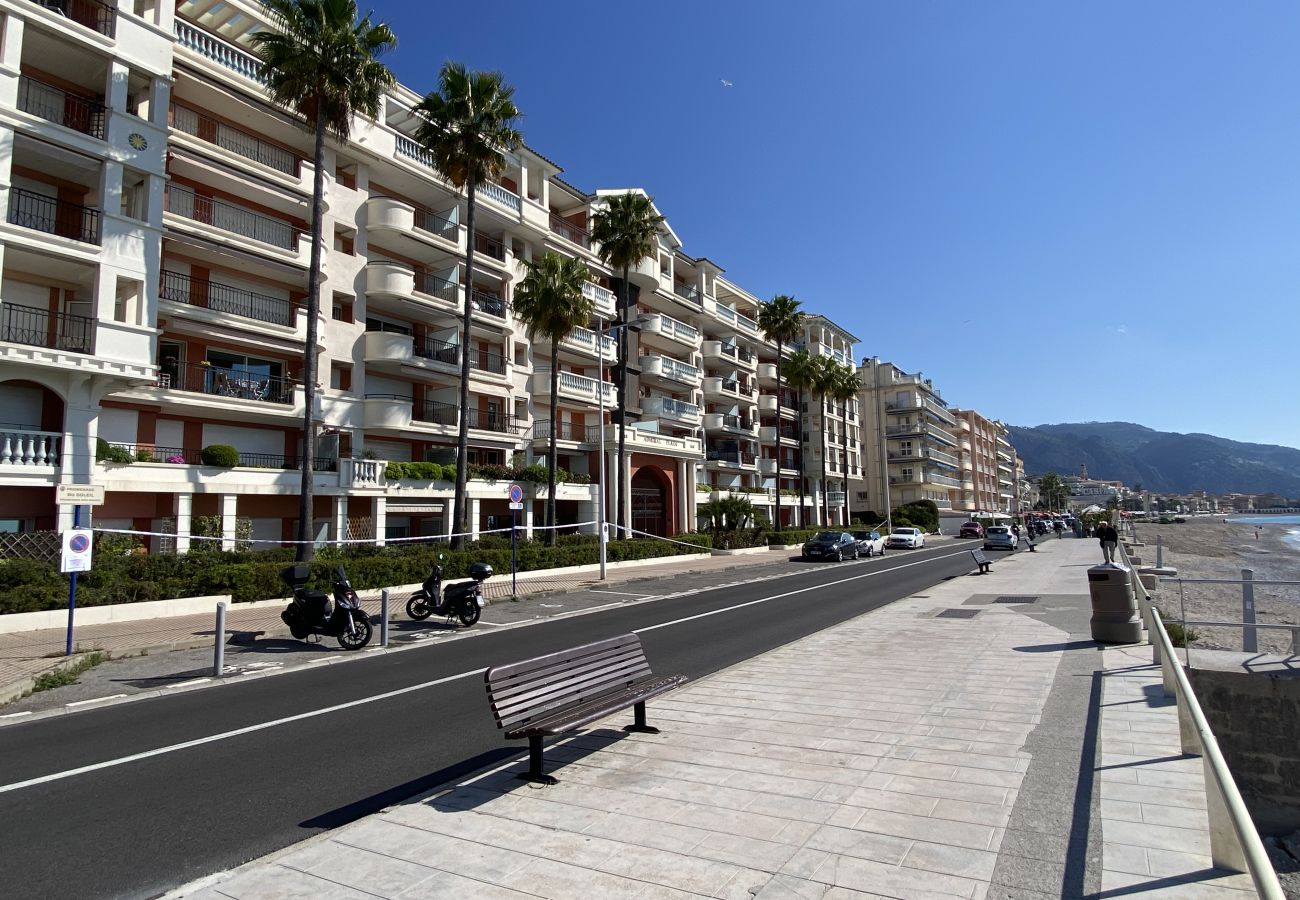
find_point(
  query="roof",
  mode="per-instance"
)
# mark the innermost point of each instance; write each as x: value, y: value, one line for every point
x: 840, y: 328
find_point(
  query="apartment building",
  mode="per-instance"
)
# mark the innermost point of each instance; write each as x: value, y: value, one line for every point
x: 979, y: 463
x: 155, y: 253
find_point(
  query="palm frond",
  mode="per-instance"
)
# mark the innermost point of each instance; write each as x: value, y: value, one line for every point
x: 780, y: 318
x: 626, y: 229
x: 549, y: 298
x: 468, y: 124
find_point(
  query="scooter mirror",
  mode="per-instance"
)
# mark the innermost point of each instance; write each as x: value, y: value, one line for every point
x: 442, y: 556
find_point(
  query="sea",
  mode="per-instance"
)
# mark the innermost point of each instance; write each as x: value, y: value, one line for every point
x: 1292, y: 535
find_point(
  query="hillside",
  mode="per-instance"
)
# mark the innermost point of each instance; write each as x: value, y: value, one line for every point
x: 1159, y: 460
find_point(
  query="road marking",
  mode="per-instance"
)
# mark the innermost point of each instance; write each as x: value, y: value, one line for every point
x: 16, y: 715
x: 626, y: 593
x: 77, y: 703
x: 213, y: 738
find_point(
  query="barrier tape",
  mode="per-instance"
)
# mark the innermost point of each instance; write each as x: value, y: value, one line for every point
x: 325, y: 542
x: 696, y: 547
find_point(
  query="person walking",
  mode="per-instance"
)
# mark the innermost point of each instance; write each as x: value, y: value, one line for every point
x: 1109, y: 540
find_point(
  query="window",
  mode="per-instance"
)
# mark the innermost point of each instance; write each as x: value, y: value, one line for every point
x: 135, y: 195
x: 344, y: 241
x: 374, y: 323
x: 342, y: 311
x: 340, y: 376
x: 251, y: 366
x: 907, y: 473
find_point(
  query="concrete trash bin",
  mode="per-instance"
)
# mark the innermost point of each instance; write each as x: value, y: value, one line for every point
x: 1115, y: 617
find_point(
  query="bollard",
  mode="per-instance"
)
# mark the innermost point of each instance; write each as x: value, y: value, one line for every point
x: 219, y: 651
x: 1249, y: 635
x: 383, y: 618
x: 1160, y: 552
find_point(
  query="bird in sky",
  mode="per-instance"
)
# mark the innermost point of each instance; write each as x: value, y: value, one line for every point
x: 725, y: 82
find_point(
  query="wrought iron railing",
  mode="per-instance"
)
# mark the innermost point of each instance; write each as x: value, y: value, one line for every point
x: 486, y: 420
x: 51, y: 215
x: 228, y: 217
x: 436, y: 412
x: 219, y: 382
x: 436, y: 286
x: 488, y: 303
x: 570, y: 232
x: 207, y: 294
x: 193, y: 122
x: 487, y: 361
x: 193, y: 456
x: 61, y: 107
x: 489, y: 245
x: 435, y: 223
x: 93, y: 14
x: 564, y: 431
x: 41, y: 328
x: 439, y: 351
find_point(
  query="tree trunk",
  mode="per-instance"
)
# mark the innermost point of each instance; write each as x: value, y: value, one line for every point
x: 306, y: 548
x: 803, y: 492
x: 619, y: 495
x: 826, y: 503
x: 462, y: 431
x: 550, y: 450
x: 778, y: 436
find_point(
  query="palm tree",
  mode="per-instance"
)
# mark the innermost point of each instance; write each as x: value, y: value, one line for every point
x: 321, y: 61
x: 799, y: 375
x: 845, y: 388
x: 468, y: 123
x: 627, y: 230
x: 550, y: 302
x: 825, y: 374
x: 781, y: 321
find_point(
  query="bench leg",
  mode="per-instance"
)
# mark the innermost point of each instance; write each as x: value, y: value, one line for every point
x: 639, y: 725
x: 535, y: 773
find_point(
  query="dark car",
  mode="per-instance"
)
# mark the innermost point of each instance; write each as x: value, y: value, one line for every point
x: 836, y: 545
x: 971, y: 530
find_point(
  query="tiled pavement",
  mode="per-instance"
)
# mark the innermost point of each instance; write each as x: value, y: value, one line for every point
x: 899, y: 754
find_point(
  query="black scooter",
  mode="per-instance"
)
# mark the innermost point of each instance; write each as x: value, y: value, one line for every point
x: 310, y: 612
x: 463, y: 600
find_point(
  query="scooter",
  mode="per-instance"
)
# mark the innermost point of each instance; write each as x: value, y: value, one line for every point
x: 463, y: 600
x: 310, y: 612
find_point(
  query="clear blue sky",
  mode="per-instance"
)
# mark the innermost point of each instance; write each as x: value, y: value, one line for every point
x: 1000, y: 194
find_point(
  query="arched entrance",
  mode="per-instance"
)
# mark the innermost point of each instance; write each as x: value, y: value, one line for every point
x: 650, y: 498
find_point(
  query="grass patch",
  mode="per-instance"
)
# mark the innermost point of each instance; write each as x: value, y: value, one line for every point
x: 1178, y: 636
x: 62, y: 677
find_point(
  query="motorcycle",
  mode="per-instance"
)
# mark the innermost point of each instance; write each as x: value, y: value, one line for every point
x: 463, y: 600
x: 310, y: 611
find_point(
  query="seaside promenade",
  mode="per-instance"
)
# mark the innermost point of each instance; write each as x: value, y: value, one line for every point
x: 951, y: 744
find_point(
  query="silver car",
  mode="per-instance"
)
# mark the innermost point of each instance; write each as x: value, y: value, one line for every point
x: 1000, y: 537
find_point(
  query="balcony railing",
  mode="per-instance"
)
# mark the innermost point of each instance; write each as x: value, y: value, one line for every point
x: 436, y: 286
x: 564, y: 431
x: 588, y: 340
x: 500, y: 194
x: 487, y: 361
x: 739, y: 457
x: 485, y: 420
x: 20, y: 447
x: 411, y: 150
x: 672, y: 368
x: 205, y: 294
x: 601, y: 296
x: 570, y: 232
x: 737, y: 422
x: 439, y: 413
x: 195, y: 123
x: 228, y: 217
x: 681, y: 408
x: 93, y: 14
x: 41, y: 328
x: 439, y: 351
x: 489, y: 303
x: 29, y: 209
x: 193, y: 456
x: 435, y: 223
x: 489, y: 245
x: 217, y: 50
x: 435, y: 412
x: 687, y: 292
x: 577, y: 384
x: 62, y: 108
x: 206, y: 379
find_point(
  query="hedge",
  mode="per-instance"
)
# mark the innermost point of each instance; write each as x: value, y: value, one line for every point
x: 124, y: 574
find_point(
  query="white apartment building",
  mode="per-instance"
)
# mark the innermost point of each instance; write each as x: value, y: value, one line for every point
x: 155, y: 254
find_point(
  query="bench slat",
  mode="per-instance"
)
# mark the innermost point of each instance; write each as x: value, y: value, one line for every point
x: 540, y: 662
x: 505, y: 688
x: 597, y: 708
x: 578, y: 689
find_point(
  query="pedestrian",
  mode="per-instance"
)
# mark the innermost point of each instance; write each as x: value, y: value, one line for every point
x: 1256, y: 532
x: 1109, y: 540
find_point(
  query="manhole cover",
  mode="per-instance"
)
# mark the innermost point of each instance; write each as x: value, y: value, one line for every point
x: 1012, y: 599
x: 958, y: 614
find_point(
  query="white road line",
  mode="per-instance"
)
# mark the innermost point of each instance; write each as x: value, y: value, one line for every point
x: 627, y: 593
x: 77, y: 703
x: 274, y: 723
x: 26, y: 712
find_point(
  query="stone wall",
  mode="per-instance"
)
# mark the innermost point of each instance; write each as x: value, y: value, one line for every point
x: 1256, y: 719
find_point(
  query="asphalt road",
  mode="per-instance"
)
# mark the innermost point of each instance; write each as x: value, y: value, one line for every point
x: 142, y: 827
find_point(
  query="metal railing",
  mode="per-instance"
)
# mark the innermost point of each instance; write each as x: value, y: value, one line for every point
x: 217, y: 50
x: 487, y: 361
x: 739, y: 457
x: 93, y: 14
x: 434, y: 411
x: 739, y: 422
x: 488, y: 303
x: 570, y: 232
x: 564, y: 431
x: 191, y: 121
x: 485, y: 420
x: 193, y: 456
x: 228, y: 217
x: 687, y: 292
x: 42, y: 328
x: 436, y: 286
x: 435, y: 223
x: 439, y: 351
x: 56, y: 105
x: 21, y: 447
x: 207, y: 379
x: 51, y: 215
x: 206, y: 294
x: 489, y: 245
x: 1248, y: 624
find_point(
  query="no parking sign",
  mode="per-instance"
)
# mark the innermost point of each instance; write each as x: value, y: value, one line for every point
x: 516, y: 497
x: 77, y: 547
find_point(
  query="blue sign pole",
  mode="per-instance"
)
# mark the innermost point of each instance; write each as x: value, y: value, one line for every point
x: 514, y: 559
x: 72, y: 587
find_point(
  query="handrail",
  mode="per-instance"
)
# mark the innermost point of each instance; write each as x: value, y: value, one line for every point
x: 51, y: 215
x: 194, y: 122
x: 231, y: 217
x: 53, y: 104
x: 93, y: 14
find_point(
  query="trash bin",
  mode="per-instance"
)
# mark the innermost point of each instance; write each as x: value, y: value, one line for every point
x: 1115, y: 617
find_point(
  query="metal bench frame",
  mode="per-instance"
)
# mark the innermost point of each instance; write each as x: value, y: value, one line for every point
x: 985, y: 564
x: 561, y: 692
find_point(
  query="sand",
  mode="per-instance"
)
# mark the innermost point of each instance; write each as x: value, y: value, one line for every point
x: 1209, y: 548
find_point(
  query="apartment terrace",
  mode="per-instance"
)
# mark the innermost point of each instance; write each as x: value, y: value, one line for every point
x: 211, y: 212
x: 87, y: 115
x: 203, y: 293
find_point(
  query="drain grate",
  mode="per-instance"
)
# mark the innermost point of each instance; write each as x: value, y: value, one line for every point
x: 1014, y: 599
x: 958, y: 614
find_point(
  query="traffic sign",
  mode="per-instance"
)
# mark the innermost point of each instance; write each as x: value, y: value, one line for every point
x: 77, y: 547
x: 516, y: 496
x: 79, y: 494
x: 516, y: 506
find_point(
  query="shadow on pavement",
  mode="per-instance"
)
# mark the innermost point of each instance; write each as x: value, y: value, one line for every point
x: 1056, y: 648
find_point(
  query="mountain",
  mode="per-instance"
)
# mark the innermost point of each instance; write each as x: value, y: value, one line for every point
x: 1159, y: 460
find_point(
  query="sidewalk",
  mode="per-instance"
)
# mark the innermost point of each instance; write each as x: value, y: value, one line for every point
x: 25, y: 655
x: 947, y: 745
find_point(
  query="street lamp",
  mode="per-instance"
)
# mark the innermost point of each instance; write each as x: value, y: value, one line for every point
x: 602, y: 530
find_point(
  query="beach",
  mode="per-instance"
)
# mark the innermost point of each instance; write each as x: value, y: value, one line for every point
x: 1210, y: 548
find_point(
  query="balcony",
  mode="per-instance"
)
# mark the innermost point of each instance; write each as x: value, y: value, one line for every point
x: 668, y: 408
x: 574, y: 388
x: 922, y: 404
x: 574, y: 234
x: 41, y: 328
x: 501, y: 195
x: 489, y: 246
x: 233, y: 219
x: 92, y: 14
x: 724, y: 353
x: 197, y: 124
x: 926, y: 429
x: 601, y: 296
x: 30, y: 450
x: 212, y: 47
x: 45, y: 101
x: 767, y: 374
x: 584, y: 342
x: 728, y: 389
x: 678, y: 333
x: 400, y: 218
x: 664, y: 367
x: 688, y: 293
x: 734, y: 424
x: 835, y: 498
x: 390, y: 280
x: 39, y: 212
x: 233, y: 383
x: 571, y: 432
x: 767, y: 467
x: 489, y: 304
x: 938, y: 456
x: 730, y: 457
x: 204, y: 294
x: 769, y: 434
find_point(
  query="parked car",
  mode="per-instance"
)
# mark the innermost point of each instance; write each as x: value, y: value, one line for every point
x: 1000, y: 537
x: 836, y: 545
x: 870, y: 543
x: 908, y: 538
x: 971, y: 530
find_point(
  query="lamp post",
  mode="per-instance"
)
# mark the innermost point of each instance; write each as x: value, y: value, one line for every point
x: 600, y: 399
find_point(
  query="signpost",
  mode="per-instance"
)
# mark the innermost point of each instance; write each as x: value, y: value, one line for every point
x: 516, y: 494
x: 78, y: 542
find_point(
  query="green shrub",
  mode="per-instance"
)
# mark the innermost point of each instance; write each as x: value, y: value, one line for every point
x: 792, y: 536
x: 222, y: 456
x: 537, y: 473
x: 703, y: 488
x: 922, y: 514
x: 144, y: 455
x: 1178, y: 636
x: 106, y: 452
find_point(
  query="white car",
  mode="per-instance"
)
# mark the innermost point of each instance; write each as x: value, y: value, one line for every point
x: 1000, y: 537
x: 910, y: 538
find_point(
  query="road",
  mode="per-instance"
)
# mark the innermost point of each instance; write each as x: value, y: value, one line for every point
x: 408, y: 721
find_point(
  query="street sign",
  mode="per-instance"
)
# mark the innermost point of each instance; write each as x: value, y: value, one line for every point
x: 77, y: 546
x: 516, y: 506
x: 516, y: 496
x: 79, y: 494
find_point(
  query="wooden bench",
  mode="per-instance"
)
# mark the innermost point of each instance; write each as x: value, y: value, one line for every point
x: 982, y: 561
x: 561, y: 692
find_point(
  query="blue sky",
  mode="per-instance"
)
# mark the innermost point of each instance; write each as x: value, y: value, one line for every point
x: 1004, y: 195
